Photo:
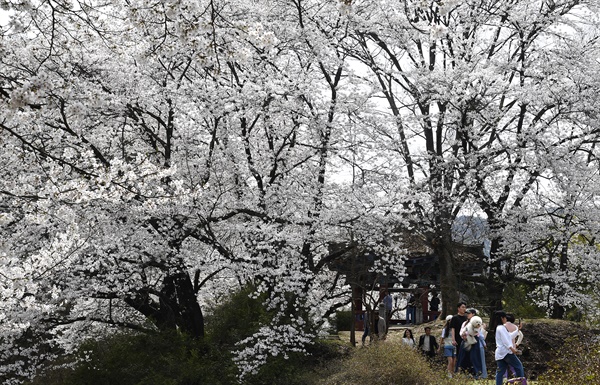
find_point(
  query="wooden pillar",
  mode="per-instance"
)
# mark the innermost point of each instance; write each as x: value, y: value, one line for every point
x: 357, y: 312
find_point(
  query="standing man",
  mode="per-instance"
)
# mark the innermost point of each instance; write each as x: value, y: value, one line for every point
x: 434, y: 304
x: 387, y: 300
x: 427, y: 344
x: 411, y: 310
x: 455, y: 326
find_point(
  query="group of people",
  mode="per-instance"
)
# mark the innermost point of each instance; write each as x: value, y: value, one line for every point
x: 428, y: 344
x: 463, y: 353
x: 463, y: 340
x: 380, y: 325
x: 412, y: 304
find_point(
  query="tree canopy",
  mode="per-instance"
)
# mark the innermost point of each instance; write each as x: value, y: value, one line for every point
x: 158, y: 154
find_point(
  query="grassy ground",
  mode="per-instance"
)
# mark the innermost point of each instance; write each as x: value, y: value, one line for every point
x: 395, y: 336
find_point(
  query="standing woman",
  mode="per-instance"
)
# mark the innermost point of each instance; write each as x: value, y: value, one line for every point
x: 408, y: 339
x: 482, y: 346
x: 505, y: 354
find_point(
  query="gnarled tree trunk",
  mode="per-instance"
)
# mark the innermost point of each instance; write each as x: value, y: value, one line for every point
x: 177, y: 308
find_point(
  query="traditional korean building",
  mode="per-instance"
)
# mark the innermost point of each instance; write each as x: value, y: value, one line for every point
x: 422, y: 274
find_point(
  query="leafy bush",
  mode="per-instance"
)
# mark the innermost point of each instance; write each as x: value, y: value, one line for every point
x: 235, y: 318
x: 517, y: 301
x: 577, y: 362
x: 241, y: 315
x: 383, y: 364
x: 170, y: 358
x: 149, y: 359
x: 343, y: 320
x: 299, y: 369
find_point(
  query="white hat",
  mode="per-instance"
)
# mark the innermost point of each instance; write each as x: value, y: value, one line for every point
x: 448, y: 317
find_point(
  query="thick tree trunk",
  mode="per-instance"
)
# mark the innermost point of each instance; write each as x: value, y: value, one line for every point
x: 448, y: 277
x: 495, y: 291
x: 189, y: 317
x: 558, y: 310
x: 495, y: 285
x: 356, y: 297
x: 177, y: 308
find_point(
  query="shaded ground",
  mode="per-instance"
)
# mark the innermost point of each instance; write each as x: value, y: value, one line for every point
x: 542, y: 342
x: 543, y: 339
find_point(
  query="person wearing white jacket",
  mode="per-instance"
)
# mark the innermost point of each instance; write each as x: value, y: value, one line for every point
x: 505, y: 354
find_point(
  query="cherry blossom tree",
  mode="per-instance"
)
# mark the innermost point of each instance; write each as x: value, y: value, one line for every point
x: 155, y: 150
x: 156, y: 154
x: 479, y: 100
x: 555, y: 250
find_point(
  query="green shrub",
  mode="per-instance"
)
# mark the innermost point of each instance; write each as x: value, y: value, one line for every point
x: 577, y: 362
x: 343, y: 320
x: 516, y: 300
x: 169, y: 358
x: 300, y: 369
x: 239, y: 316
x: 148, y: 359
x: 236, y: 318
x: 385, y: 364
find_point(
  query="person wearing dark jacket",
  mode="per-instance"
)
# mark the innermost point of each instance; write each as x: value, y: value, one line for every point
x: 428, y: 344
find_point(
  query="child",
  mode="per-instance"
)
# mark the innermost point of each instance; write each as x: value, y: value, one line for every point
x: 449, y: 348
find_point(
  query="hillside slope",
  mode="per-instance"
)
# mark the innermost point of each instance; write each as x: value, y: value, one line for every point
x: 542, y: 342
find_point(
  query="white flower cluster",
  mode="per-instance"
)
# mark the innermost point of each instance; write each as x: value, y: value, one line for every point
x: 448, y: 5
x: 258, y: 35
x: 438, y: 31
x: 268, y: 342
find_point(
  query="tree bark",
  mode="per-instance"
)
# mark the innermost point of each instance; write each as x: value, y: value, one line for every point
x: 189, y: 318
x: 177, y: 309
x: 495, y: 285
x: 558, y: 310
x: 448, y: 278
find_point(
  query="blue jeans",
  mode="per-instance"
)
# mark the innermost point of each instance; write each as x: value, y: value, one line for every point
x: 484, y: 373
x: 463, y: 358
x: 410, y: 314
x: 366, y: 334
x: 512, y: 360
x: 476, y: 360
